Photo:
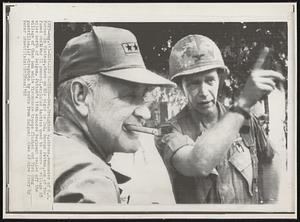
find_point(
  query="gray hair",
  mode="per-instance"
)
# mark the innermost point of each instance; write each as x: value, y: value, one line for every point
x: 64, y: 96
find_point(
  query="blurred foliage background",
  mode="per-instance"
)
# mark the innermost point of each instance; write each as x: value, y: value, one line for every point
x: 239, y: 42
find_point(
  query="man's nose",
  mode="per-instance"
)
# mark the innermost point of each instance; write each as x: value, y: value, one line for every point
x: 142, y: 112
x: 203, y: 89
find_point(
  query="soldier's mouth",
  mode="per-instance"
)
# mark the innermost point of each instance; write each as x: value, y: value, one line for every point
x: 203, y: 103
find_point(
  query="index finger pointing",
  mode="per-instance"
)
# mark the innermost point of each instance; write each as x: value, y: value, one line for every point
x: 261, y: 58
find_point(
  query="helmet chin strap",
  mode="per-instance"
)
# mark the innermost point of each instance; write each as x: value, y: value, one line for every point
x: 220, y: 90
x: 221, y: 75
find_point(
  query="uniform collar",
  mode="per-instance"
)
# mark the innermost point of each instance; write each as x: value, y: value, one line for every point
x: 221, y: 110
x: 70, y: 129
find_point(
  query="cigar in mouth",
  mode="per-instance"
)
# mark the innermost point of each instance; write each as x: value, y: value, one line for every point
x: 142, y: 129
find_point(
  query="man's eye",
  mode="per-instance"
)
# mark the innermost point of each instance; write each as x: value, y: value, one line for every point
x: 210, y: 81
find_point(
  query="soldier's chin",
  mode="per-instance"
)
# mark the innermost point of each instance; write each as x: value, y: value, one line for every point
x: 204, y: 110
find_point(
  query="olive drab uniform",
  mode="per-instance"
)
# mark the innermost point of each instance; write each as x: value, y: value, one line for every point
x: 81, y: 175
x: 235, y: 179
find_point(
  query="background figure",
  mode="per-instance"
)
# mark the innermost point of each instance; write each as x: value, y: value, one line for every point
x: 215, y: 155
x: 102, y: 87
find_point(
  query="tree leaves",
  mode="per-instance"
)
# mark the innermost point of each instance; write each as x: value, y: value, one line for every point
x: 239, y: 43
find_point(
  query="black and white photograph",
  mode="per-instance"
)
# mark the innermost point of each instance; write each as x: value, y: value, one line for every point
x: 117, y: 80
x: 156, y: 117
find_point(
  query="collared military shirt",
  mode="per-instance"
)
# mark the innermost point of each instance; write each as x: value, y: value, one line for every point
x: 235, y: 179
x: 81, y: 175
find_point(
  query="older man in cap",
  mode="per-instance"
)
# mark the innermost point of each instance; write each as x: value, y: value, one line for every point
x: 102, y: 85
x: 215, y: 155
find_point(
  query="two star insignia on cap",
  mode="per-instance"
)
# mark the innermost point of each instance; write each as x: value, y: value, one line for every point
x: 130, y: 47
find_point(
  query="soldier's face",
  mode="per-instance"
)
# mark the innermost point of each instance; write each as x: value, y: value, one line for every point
x: 201, y: 89
x: 115, y: 103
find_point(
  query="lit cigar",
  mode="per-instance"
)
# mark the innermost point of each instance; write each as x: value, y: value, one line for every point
x: 142, y: 129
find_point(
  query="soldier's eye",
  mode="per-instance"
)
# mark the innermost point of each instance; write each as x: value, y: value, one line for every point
x: 210, y: 81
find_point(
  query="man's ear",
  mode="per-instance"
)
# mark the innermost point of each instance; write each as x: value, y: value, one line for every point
x: 79, y: 93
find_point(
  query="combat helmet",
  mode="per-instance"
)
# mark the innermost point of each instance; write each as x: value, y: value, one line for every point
x: 193, y: 54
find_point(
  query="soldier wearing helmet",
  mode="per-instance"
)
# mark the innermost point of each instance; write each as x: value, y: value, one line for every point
x: 214, y: 155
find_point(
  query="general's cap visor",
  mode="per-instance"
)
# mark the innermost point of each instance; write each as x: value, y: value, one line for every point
x: 108, y: 51
x: 138, y: 75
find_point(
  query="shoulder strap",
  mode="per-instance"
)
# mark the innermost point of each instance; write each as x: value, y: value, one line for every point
x: 247, y: 133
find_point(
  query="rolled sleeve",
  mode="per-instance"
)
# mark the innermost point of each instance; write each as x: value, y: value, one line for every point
x: 169, y: 148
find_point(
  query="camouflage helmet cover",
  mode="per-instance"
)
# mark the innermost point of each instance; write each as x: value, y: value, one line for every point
x: 193, y: 54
